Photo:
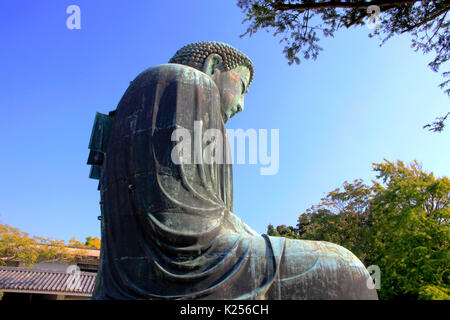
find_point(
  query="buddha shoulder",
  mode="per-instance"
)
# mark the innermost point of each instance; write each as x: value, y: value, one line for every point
x: 174, y: 72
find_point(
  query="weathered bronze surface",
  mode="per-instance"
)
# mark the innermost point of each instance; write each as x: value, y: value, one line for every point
x: 169, y: 231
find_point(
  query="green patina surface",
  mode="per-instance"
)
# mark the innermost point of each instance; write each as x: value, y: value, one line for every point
x: 168, y: 229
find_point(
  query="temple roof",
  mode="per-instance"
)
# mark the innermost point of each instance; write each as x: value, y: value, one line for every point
x: 16, y: 279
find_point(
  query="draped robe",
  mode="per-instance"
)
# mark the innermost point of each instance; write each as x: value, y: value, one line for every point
x: 169, y: 231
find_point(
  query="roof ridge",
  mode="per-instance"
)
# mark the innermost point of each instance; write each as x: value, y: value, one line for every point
x: 25, y: 269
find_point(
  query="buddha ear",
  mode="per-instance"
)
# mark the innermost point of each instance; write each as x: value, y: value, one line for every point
x: 211, y: 63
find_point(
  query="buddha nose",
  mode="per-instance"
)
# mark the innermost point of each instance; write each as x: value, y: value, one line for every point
x: 240, y: 106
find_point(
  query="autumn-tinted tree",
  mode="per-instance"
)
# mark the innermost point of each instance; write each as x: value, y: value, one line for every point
x: 17, y: 246
x: 301, y: 23
x: 90, y: 243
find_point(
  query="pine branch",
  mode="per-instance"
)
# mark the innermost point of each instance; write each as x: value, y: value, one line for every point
x: 338, y: 4
x: 437, y: 126
x: 437, y: 28
x: 436, y: 14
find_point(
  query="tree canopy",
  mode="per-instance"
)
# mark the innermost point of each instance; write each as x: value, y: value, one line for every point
x: 18, y: 246
x: 399, y: 223
x: 301, y: 23
x: 90, y: 243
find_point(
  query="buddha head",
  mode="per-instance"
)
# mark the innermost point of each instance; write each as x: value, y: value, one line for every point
x: 230, y: 69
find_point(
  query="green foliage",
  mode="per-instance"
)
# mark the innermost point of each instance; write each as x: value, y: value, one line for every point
x: 342, y: 217
x: 434, y: 293
x: 400, y: 223
x: 300, y: 24
x: 411, y: 218
x: 282, y: 231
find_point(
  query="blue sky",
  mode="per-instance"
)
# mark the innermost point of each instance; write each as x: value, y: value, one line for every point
x: 357, y: 104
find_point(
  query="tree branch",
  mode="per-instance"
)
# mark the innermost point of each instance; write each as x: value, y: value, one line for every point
x: 362, y: 16
x: 433, y: 16
x: 437, y: 126
x: 437, y: 28
x: 338, y: 4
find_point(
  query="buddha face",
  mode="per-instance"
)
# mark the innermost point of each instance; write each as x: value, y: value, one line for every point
x: 232, y: 87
